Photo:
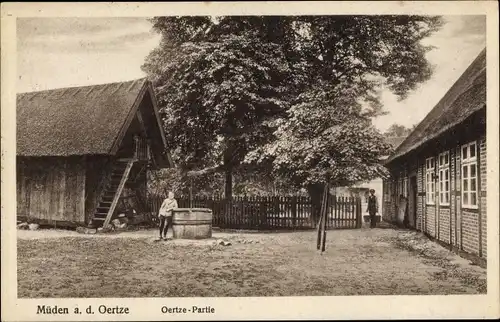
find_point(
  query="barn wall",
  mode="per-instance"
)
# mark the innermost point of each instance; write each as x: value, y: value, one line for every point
x: 51, y: 189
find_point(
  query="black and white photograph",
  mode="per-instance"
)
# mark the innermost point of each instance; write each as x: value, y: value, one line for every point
x: 251, y: 155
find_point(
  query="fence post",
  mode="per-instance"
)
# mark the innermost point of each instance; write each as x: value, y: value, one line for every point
x: 294, y: 211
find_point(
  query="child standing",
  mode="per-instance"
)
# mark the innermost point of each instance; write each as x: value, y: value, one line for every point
x: 165, y: 214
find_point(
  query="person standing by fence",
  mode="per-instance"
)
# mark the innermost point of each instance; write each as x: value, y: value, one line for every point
x: 165, y: 214
x: 372, y: 208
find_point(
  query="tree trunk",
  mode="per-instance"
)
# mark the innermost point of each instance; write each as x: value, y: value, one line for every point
x: 228, y: 187
x: 316, y: 193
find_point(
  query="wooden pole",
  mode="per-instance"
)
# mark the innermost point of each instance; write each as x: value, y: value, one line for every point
x: 325, y: 215
x: 320, y: 222
x: 322, y: 219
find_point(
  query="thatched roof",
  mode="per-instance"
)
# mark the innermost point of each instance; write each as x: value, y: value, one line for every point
x: 464, y: 98
x: 84, y: 120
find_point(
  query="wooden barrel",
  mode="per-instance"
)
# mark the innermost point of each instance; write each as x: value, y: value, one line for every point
x: 192, y: 223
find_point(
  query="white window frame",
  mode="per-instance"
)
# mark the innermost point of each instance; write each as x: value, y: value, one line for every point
x: 468, y: 162
x: 430, y: 184
x: 444, y: 178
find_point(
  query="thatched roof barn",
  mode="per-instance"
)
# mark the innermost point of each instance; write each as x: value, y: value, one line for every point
x: 438, y: 173
x: 79, y: 147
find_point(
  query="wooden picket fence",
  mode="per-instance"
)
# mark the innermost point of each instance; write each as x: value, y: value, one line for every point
x: 277, y: 212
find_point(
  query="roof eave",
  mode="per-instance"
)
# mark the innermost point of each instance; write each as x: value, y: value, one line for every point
x: 434, y: 136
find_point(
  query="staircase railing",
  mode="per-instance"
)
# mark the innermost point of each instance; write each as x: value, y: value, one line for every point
x: 118, y: 193
x: 101, y: 186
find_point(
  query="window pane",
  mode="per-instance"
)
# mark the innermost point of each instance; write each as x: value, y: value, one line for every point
x: 447, y: 198
x: 465, y: 199
x: 441, y: 159
x: 473, y: 184
x: 446, y: 160
x: 440, y: 185
x: 472, y: 150
x: 446, y: 186
x: 473, y: 199
x: 446, y: 175
x: 466, y: 185
x: 473, y: 170
x: 432, y: 163
x: 464, y: 152
x: 464, y: 172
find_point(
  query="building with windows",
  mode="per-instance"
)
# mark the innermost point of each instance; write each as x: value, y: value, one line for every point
x: 438, y: 173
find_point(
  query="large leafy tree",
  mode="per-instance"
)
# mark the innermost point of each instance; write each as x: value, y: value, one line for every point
x: 327, y: 134
x: 219, y: 83
x: 291, y: 94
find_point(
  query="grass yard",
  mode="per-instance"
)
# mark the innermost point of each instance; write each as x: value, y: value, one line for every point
x: 132, y: 264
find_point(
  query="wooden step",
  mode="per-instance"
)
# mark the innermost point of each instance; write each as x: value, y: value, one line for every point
x: 99, y: 219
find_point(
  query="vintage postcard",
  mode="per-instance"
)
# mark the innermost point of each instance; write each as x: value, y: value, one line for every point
x: 249, y: 160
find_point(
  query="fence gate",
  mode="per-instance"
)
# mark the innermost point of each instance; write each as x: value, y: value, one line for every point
x: 275, y: 212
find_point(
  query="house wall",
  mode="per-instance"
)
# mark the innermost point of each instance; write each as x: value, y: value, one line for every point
x: 459, y: 226
x: 51, y: 189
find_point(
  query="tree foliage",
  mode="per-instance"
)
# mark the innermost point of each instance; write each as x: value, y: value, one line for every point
x: 218, y: 88
x: 327, y: 132
x: 294, y: 94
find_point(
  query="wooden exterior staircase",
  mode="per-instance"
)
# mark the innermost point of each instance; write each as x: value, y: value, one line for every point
x: 112, y: 191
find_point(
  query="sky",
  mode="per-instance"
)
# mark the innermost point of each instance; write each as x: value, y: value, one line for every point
x: 64, y: 52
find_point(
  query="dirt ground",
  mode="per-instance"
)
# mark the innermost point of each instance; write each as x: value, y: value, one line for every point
x: 55, y: 263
